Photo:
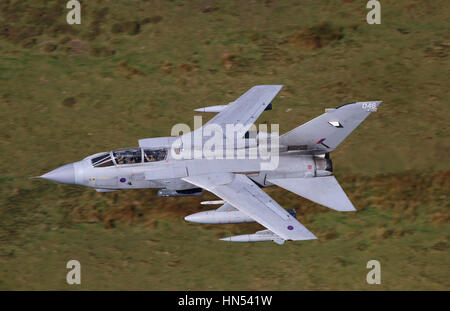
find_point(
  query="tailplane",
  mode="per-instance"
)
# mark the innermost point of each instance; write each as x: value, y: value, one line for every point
x: 325, y: 191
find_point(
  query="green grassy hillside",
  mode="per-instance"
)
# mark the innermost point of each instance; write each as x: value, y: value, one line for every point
x: 132, y: 69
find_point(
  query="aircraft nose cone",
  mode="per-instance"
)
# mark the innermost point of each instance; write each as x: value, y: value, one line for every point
x: 64, y: 174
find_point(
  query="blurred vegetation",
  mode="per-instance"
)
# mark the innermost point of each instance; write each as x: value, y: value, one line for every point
x: 132, y: 69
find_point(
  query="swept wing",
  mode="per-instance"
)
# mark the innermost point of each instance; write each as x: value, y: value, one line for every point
x: 246, y: 196
x: 243, y: 111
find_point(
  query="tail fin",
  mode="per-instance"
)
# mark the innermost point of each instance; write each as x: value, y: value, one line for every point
x: 327, y: 131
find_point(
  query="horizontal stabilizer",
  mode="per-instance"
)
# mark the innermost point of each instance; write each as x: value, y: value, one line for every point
x: 325, y: 191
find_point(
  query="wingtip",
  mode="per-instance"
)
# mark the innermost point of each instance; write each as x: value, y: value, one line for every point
x: 343, y: 208
x: 311, y: 236
x: 279, y: 86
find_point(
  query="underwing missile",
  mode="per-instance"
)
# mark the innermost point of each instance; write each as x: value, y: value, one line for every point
x: 212, y: 202
x: 219, y: 217
x: 260, y: 236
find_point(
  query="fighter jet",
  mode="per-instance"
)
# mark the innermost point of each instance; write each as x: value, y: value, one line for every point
x: 235, y: 172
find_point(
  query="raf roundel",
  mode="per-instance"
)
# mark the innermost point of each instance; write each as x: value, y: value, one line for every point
x: 123, y: 179
x: 290, y: 228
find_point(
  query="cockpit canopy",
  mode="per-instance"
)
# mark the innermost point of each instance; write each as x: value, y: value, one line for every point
x: 152, y: 155
x: 129, y: 156
x: 102, y: 160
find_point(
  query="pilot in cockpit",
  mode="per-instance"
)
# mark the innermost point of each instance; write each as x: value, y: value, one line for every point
x: 121, y: 160
x: 150, y: 158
